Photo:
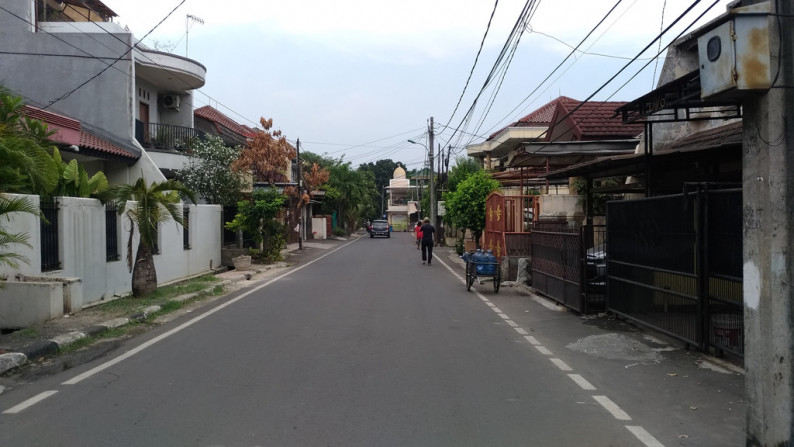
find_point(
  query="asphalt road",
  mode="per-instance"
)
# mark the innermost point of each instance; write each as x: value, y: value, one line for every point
x: 365, y: 346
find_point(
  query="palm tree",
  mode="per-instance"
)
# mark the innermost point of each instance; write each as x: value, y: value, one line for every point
x: 8, y: 206
x: 153, y: 204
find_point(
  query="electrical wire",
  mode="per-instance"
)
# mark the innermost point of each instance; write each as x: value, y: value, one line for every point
x: 476, y: 58
x: 69, y: 93
x: 658, y: 37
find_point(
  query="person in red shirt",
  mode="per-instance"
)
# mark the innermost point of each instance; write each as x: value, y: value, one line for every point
x: 418, y: 231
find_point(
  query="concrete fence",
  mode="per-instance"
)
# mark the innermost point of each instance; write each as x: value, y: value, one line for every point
x: 82, y: 252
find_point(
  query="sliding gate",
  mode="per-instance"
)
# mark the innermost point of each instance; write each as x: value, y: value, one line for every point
x: 675, y: 264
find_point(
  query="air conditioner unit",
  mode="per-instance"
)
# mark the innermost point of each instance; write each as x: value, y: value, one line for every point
x: 171, y: 101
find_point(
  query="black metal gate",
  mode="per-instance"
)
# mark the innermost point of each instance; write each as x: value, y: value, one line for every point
x: 568, y: 265
x: 675, y: 264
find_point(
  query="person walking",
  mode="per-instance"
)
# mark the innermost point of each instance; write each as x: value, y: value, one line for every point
x: 428, y: 230
x: 418, y: 231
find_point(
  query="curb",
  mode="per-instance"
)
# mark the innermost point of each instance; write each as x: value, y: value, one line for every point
x: 13, y: 360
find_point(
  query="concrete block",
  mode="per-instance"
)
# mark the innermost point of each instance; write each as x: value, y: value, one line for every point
x: 25, y: 303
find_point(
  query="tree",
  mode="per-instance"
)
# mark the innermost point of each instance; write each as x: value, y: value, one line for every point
x: 257, y: 218
x: 153, y: 204
x: 351, y: 193
x: 26, y: 165
x: 209, y: 172
x: 267, y: 156
x: 464, y: 167
x: 8, y: 206
x: 466, y: 205
x: 382, y: 171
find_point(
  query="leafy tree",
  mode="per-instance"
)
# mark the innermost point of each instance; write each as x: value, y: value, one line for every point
x: 25, y: 163
x: 209, y: 172
x: 464, y: 167
x: 257, y: 217
x: 351, y: 193
x: 152, y: 205
x: 25, y: 167
x: 8, y: 206
x: 267, y: 156
x: 466, y: 205
x: 382, y: 171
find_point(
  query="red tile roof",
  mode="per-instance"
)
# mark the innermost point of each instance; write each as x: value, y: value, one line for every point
x: 211, y: 114
x: 70, y: 131
x: 592, y: 121
x: 539, y: 118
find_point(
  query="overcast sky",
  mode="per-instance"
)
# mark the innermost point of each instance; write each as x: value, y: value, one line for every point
x: 358, y: 78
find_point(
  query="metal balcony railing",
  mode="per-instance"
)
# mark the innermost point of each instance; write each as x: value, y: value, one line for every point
x: 167, y: 137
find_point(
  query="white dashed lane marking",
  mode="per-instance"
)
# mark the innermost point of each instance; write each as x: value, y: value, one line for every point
x: 613, y: 408
x: 639, y: 432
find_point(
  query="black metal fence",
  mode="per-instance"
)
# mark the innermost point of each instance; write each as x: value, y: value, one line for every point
x: 186, y: 228
x: 50, y: 246
x: 568, y: 264
x: 675, y: 264
x: 167, y: 137
x: 111, y: 232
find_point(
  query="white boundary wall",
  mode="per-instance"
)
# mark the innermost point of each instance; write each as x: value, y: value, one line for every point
x: 82, y: 247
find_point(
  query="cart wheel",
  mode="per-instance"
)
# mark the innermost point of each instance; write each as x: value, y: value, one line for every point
x: 497, y: 279
x: 469, y: 275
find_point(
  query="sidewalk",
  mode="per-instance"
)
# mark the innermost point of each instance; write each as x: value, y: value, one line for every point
x: 48, y: 338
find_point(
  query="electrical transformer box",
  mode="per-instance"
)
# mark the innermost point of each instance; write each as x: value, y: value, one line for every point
x: 735, y: 56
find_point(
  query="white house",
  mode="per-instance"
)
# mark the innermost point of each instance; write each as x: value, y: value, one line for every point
x: 117, y: 107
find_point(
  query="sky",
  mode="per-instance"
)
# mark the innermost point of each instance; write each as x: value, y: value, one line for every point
x: 357, y: 79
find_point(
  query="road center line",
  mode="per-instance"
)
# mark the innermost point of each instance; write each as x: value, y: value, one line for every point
x: 30, y: 402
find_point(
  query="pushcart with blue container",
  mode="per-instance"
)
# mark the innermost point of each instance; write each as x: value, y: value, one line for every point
x: 482, y: 266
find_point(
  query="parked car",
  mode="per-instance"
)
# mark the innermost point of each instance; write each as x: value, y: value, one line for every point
x: 379, y: 228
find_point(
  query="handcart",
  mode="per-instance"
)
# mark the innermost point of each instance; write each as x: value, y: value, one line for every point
x: 482, y: 271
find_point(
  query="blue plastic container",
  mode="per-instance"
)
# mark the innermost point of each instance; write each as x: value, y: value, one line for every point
x: 489, y: 263
x: 479, y: 261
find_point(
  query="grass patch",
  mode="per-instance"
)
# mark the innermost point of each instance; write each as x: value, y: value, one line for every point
x: 83, y: 342
x: 129, y: 305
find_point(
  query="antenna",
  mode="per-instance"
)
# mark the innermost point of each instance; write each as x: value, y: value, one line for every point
x: 190, y: 18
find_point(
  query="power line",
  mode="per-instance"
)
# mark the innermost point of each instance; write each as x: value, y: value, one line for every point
x: 476, y: 58
x: 69, y: 93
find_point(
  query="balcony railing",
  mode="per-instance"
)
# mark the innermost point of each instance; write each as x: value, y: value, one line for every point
x: 167, y: 137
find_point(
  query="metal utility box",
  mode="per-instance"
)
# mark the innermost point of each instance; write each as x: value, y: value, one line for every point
x: 734, y: 56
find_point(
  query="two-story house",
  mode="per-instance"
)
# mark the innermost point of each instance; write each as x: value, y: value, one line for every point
x: 117, y: 107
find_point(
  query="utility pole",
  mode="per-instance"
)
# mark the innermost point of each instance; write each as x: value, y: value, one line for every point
x: 300, y: 195
x: 768, y: 290
x: 432, y: 183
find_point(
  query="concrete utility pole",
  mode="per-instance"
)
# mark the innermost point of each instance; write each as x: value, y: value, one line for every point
x: 768, y: 196
x: 300, y: 195
x: 432, y: 183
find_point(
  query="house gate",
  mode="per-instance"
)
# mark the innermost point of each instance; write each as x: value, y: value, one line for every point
x: 675, y: 264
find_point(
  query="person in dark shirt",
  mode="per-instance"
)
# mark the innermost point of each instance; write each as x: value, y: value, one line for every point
x: 428, y: 230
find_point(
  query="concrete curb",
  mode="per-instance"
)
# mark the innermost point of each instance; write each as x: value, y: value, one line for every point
x: 13, y: 360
